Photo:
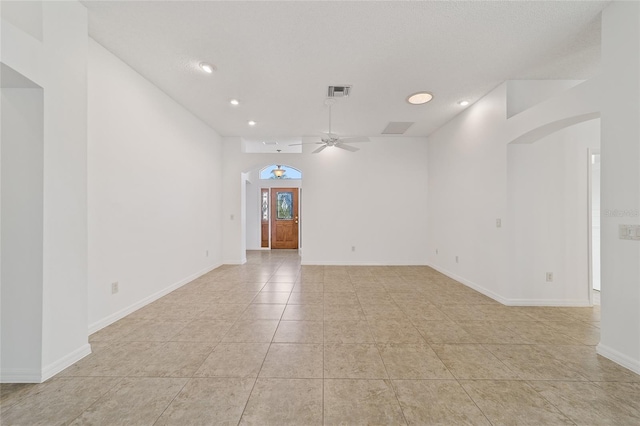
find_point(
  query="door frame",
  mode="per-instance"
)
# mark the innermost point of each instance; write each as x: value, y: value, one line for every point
x: 590, y: 153
x: 270, y: 189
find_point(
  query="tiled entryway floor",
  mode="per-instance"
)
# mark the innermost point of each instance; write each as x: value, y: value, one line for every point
x: 271, y: 342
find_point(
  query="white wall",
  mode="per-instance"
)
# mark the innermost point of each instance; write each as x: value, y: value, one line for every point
x: 548, y: 216
x: 26, y: 15
x: 154, y: 191
x: 57, y: 63
x: 65, y: 185
x: 467, y: 193
x: 469, y: 189
x: 620, y: 157
x: 374, y: 199
x: 523, y: 94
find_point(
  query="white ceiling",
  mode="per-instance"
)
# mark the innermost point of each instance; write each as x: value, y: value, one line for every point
x: 279, y: 57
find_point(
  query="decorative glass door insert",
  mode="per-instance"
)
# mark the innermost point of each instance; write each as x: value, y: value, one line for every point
x: 284, y: 205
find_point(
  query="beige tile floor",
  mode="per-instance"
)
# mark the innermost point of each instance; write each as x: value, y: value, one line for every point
x: 271, y: 342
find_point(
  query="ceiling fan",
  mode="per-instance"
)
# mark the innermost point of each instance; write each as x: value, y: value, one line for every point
x: 331, y: 139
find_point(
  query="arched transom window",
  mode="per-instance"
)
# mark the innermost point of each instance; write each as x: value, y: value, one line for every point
x: 279, y: 171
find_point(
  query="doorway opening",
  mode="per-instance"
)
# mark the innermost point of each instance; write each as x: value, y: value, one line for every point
x: 280, y: 226
x: 594, y: 225
x: 273, y: 208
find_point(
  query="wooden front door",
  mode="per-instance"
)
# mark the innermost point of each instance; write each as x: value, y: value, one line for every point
x: 284, y: 218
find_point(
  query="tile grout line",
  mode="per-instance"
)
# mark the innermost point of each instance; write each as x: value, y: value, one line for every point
x: 173, y: 399
x: 472, y: 400
x: 120, y: 380
x: 261, y: 366
x: 568, y: 417
x: 395, y: 393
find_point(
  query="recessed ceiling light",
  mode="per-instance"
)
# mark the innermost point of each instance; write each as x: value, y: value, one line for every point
x: 208, y: 68
x: 419, y: 98
x: 234, y: 102
x: 463, y: 103
x: 251, y: 123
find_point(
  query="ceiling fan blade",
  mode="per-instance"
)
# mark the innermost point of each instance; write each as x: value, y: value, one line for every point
x: 356, y: 139
x: 319, y: 149
x: 304, y: 143
x: 347, y: 147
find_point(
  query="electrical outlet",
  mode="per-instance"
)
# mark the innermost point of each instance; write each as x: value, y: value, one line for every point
x: 629, y: 232
x: 206, y: 253
x: 353, y: 248
x: 549, y: 277
x: 436, y: 251
x: 498, y: 223
x: 114, y: 287
x: 456, y: 259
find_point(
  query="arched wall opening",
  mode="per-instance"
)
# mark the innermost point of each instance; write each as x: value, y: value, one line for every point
x: 548, y: 178
x: 22, y: 218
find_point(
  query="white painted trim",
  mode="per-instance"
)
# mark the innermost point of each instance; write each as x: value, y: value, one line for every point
x: 619, y: 358
x: 570, y: 303
x: 590, y: 153
x: 100, y: 324
x: 35, y: 376
x: 57, y: 366
x: 20, y: 376
x: 359, y: 263
x: 514, y: 302
x: 471, y: 284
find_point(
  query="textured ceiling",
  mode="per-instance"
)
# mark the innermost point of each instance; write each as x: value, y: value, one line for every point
x: 279, y: 57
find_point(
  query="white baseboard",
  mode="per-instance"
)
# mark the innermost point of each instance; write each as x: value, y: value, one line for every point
x: 514, y: 302
x: 37, y: 376
x: 235, y: 261
x: 567, y: 303
x: 359, y: 263
x: 100, y: 324
x: 66, y: 361
x: 471, y: 284
x: 20, y: 376
x: 619, y: 358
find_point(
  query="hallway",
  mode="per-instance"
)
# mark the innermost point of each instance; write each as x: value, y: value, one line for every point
x: 273, y: 342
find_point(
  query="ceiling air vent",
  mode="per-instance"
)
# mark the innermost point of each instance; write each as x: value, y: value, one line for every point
x: 397, y: 127
x: 338, y: 91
